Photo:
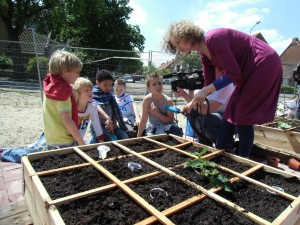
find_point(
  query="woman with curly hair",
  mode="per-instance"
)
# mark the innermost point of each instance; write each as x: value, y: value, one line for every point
x: 249, y: 63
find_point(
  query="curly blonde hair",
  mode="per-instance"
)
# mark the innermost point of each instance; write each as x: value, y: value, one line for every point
x: 184, y: 29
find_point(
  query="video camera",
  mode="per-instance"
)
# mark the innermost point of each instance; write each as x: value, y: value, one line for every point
x: 191, y: 81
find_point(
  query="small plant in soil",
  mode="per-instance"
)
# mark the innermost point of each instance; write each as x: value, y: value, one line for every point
x: 284, y: 125
x: 208, y: 169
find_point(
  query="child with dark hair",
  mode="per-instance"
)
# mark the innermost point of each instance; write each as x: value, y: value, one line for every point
x: 104, y: 99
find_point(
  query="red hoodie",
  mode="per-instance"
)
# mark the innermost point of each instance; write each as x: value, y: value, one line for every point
x: 56, y: 88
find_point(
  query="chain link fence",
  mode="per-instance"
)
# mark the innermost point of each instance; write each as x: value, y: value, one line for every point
x: 27, y: 60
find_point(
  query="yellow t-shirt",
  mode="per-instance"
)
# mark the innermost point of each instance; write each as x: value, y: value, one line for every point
x: 54, y: 129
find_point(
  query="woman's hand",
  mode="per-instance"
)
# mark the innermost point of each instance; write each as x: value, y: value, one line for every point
x: 187, y: 108
x: 179, y: 92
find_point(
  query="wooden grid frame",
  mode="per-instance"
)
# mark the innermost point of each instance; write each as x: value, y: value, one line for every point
x: 43, y: 209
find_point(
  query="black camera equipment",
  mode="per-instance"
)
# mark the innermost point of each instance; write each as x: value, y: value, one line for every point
x: 191, y: 81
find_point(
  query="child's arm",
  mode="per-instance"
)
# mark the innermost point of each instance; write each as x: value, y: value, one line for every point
x: 108, y: 122
x: 96, y: 123
x: 144, y: 117
x: 169, y: 118
x: 136, y: 113
x: 72, y: 127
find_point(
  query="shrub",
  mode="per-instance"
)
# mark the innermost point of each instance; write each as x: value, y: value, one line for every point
x: 5, y: 62
x: 32, y: 67
x: 287, y: 89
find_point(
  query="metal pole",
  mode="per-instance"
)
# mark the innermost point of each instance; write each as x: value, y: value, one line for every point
x: 258, y: 22
x: 37, y: 64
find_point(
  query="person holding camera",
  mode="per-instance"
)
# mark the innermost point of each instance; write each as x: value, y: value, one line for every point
x: 249, y: 63
x: 296, y: 77
x: 206, y: 118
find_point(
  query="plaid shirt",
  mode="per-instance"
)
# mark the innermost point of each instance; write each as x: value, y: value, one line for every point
x: 108, y: 100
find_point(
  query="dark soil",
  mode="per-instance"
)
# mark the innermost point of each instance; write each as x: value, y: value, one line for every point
x: 297, y: 129
x: 168, y: 158
x: 197, y: 178
x: 289, y: 185
x: 191, y: 148
x: 56, y: 161
x: 176, y: 191
x: 256, y: 200
x: 209, y: 212
x: 114, y: 152
x: 66, y: 183
x: 169, y: 141
x: 113, y: 207
x: 119, y: 167
x: 143, y: 146
x: 231, y: 164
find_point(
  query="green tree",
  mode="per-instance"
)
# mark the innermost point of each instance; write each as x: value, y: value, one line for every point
x: 32, y: 65
x: 89, y: 23
x: 5, y: 62
x: 191, y: 62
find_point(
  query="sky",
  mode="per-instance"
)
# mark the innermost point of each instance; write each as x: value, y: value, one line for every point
x: 279, y: 19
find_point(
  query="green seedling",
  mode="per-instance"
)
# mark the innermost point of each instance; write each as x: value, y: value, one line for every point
x: 208, y: 169
x: 284, y: 125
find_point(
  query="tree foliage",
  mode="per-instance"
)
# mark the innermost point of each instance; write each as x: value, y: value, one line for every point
x: 5, y: 62
x: 191, y: 62
x: 88, y: 23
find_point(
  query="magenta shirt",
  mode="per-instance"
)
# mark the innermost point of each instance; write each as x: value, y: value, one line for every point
x: 253, y: 66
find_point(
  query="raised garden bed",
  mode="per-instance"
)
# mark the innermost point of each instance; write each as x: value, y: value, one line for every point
x: 162, y: 191
x: 283, y: 134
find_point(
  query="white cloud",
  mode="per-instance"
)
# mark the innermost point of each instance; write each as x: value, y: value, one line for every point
x: 160, y: 31
x: 138, y: 15
x: 239, y: 15
x: 270, y: 35
x: 280, y: 46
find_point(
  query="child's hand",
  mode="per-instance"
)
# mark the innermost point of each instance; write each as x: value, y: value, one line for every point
x: 109, y: 125
x: 153, y: 109
x: 137, y: 122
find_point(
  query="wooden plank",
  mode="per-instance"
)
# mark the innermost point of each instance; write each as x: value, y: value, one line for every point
x: 126, y: 189
x: 290, y: 215
x: 178, y: 150
x: 54, y: 216
x: 174, y: 209
x: 262, y: 151
x: 41, y: 196
x: 288, y: 141
x: 257, y: 183
x: 99, y: 190
x: 43, y: 154
x: 201, y: 189
x: 189, y: 202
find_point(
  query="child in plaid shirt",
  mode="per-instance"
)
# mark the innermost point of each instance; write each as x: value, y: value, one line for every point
x: 104, y: 99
